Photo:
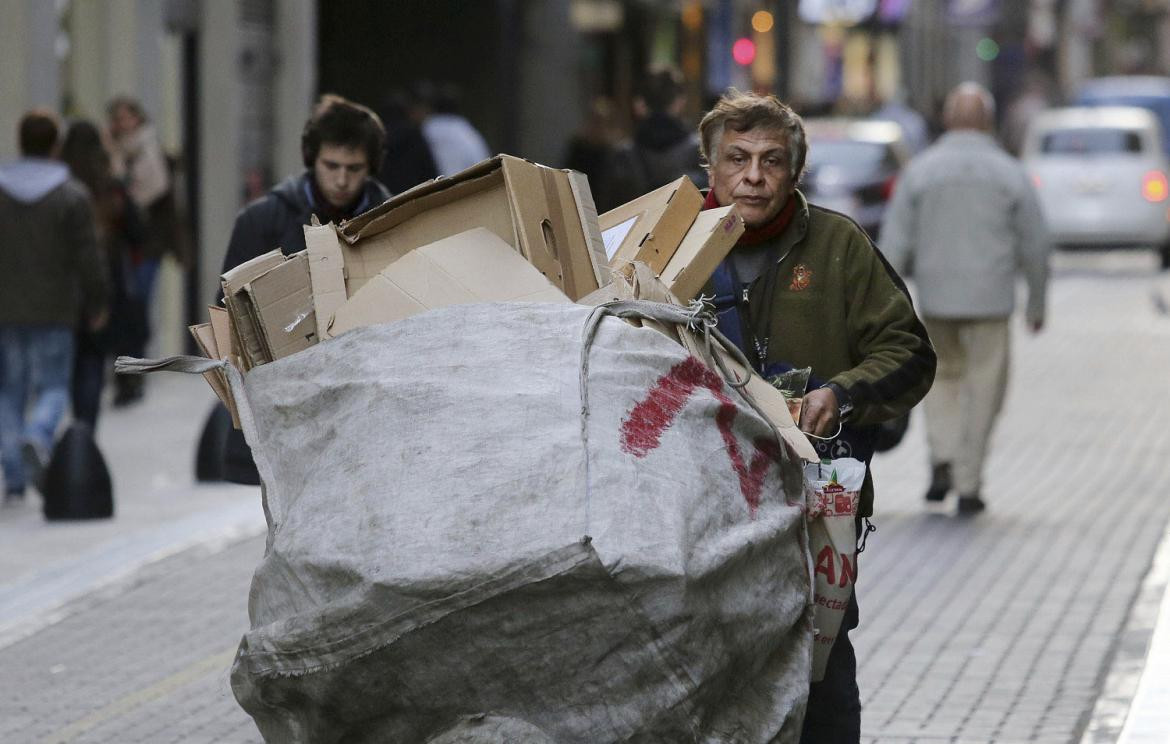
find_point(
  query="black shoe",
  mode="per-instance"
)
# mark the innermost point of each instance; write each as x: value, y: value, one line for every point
x: 970, y: 504
x: 940, y: 482
x: 34, y: 465
x: 128, y: 389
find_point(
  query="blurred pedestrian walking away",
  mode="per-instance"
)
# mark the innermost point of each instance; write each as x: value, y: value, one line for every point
x: 137, y: 159
x: 119, y: 229
x: 408, y: 160
x: 341, y: 144
x: 51, y: 276
x: 805, y: 287
x: 663, y: 147
x: 455, y: 144
x: 963, y: 221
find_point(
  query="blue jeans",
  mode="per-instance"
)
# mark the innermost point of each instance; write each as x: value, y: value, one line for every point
x: 36, y: 364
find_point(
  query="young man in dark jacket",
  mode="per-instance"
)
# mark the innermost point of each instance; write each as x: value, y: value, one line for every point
x: 51, y: 278
x: 805, y: 287
x: 341, y: 143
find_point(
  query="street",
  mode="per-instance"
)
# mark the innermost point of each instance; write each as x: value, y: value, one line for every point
x: 1028, y: 623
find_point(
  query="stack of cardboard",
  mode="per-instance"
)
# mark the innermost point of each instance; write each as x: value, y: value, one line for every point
x: 667, y: 231
x: 504, y: 230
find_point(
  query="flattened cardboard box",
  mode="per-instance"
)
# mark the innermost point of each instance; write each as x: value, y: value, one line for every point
x: 246, y: 339
x: 530, y: 207
x: 706, y: 244
x: 472, y: 266
x: 281, y: 305
x: 650, y: 228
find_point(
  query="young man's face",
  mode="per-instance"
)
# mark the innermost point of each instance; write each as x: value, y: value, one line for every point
x: 751, y: 170
x: 340, y: 172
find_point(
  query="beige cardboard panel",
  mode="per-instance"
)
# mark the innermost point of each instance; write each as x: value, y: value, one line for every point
x: 216, y: 378
x: 662, y: 217
x: 473, y: 266
x: 235, y: 279
x: 487, y: 208
x: 421, y: 198
x: 221, y: 329
x: 326, y: 269
x: 378, y: 301
x: 540, y: 226
x: 711, y: 237
x: 282, y: 304
x: 587, y: 213
x: 247, y: 340
x: 581, y: 272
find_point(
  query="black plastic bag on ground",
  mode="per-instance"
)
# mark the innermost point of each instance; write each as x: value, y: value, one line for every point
x: 77, y: 482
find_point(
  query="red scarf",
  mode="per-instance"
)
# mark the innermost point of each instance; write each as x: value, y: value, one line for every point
x: 757, y: 235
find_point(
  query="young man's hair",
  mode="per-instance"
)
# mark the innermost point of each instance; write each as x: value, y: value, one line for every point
x: 39, y: 130
x: 337, y: 121
x: 661, y: 87
x: 742, y: 112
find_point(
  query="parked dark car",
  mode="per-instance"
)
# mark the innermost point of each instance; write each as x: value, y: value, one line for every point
x: 852, y: 167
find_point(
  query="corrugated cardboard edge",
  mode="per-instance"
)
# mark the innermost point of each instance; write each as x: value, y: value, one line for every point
x: 721, y: 229
x: 216, y: 378
x: 326, y: 272
x: 587, y: 211
x: 371, y: 221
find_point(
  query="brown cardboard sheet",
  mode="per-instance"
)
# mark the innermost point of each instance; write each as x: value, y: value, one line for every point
x: 530, y: 207
x: 281, y: 303
x: 711, y: 237
x: 472, y: 266
x: 649, y: 228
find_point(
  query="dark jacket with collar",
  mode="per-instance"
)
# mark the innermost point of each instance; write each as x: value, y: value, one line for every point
x: 277, y: 219
x: 51, y: 272
x: 828, y: 299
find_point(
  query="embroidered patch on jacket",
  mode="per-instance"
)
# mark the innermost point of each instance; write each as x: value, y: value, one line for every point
x: 801, y: 278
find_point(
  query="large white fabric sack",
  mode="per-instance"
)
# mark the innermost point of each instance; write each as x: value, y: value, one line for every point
x: 450, y: 551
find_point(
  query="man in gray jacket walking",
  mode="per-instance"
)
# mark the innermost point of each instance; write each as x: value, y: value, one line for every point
x: 963, y: 222
x: 51, y: 279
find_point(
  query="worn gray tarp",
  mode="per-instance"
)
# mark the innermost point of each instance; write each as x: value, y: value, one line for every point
x: 444, y: 561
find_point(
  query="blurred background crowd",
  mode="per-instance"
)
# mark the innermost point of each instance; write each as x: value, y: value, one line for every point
x: 215, y: 94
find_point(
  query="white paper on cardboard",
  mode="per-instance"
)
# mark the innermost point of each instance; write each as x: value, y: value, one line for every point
x: 614, y: 236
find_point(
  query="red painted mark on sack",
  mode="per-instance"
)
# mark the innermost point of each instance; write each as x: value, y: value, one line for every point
x: 647, y: 421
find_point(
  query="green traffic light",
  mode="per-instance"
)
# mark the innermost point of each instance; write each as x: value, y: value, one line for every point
x: 986, y: 49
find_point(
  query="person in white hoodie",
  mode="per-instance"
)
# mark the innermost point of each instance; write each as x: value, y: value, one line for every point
x: 965, y: 221
x: 51, y: 278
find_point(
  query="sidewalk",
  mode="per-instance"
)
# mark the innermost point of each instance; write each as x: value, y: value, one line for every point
x: 159, y: 509
x: 1030, y: 623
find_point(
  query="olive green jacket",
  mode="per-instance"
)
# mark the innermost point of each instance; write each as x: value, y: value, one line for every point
x: 829, y: 300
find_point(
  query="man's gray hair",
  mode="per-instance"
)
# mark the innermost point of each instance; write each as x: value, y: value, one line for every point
x: 743, y: 112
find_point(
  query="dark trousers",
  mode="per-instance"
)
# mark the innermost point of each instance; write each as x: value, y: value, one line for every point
x: 833, y: 715
x: 89, y: 376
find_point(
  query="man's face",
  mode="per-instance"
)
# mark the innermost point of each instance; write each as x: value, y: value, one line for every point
x: 341, y: 173
x: 751, y: 170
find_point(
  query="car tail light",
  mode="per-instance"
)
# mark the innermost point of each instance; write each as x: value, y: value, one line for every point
x: 888, y: 188
x: 1154, y: 187
x: 1039, y: 184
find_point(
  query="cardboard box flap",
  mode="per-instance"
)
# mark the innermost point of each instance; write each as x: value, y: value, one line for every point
x: 650, y: 228
x: 587, y: 214
x: 375, y: 220
x: 326, y: 269
x: 281, y: 303
x: 711, y: 237
x: 235, y: 279
x: 471, y: 266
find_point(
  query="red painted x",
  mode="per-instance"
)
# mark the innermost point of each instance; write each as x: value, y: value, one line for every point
x: 643, y: 428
